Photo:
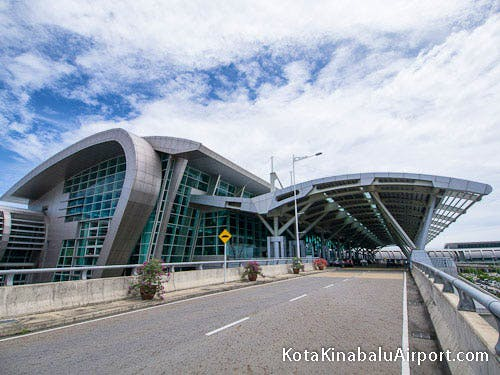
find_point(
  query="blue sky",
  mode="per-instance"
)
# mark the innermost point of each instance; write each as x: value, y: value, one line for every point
x: 408, y: 86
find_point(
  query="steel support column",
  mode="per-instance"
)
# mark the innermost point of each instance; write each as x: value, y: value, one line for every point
x: 424, y: 230
x: 399, y: 230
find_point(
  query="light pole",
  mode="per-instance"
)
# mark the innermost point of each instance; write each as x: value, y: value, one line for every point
x: 294, y: 160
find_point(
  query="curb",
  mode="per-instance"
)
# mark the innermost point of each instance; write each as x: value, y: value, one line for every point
x: 14, y: 327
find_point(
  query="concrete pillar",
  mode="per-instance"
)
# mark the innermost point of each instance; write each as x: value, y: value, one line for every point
x: 276, y: 243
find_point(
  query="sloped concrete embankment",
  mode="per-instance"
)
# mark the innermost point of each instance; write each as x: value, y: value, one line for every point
x: 458, y: 331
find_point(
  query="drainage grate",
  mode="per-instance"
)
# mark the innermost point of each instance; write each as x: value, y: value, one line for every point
x: 423, y: 335
x: 415, y: 303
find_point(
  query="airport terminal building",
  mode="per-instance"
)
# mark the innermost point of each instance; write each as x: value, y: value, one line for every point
x: 116, y: 198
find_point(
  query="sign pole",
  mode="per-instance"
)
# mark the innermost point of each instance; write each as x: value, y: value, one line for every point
x: 224, y: 237
x: 225, y: 261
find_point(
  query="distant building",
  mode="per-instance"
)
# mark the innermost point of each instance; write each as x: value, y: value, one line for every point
x: 472, y: 245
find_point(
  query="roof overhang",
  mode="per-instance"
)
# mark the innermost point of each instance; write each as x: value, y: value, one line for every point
x: 204, y: 159
x: 374, y: 209
x: 66, y: 163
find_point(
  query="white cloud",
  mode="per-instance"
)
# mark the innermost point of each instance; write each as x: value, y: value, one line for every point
x: 33, y: 72
x: 201, y: 33
x: 382, y: 110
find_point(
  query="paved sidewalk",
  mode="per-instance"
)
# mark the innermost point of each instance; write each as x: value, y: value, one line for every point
x: 30, y: 323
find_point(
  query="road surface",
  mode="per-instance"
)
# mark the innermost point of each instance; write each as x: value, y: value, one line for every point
x: 246, y: 330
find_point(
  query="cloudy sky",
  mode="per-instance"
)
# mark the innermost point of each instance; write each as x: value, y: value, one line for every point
x: 410, y: 86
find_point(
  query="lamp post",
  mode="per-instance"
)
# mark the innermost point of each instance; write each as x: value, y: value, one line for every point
x: 294, y: 160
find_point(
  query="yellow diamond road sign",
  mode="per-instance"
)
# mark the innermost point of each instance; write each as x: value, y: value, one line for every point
x: 225, y: 236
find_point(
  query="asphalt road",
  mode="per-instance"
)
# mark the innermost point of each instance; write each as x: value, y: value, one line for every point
x: 334, y: 309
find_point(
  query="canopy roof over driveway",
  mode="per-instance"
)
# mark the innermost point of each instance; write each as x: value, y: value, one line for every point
x: 369, y: 210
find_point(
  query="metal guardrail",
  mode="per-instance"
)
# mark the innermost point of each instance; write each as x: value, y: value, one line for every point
x: 9, y: 274
x: 467, y: 294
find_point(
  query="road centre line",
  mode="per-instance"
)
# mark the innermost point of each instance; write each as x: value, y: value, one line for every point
x: 299, y: 297
x: 145, y: 309
x: 226, y: 326
x: 328, y: 286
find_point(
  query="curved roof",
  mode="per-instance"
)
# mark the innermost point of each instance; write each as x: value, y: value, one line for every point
x: 210, y: 162
x: 370, y: 209
x: 107, y: 144
x: 139, y: 192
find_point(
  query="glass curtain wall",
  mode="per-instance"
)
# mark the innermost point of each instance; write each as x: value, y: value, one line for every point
x: 93, y: 196
x: 191, y: 232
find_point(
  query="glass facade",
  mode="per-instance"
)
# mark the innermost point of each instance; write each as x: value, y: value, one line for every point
x: 84, y: 250
x: 249, y: 236
x: 225, y: 189
x: 26, y: 242
x: 94, y: 192
x: 149, y: 236
x: 93, y: 196
x: 191, y: 232
x: 182, y: 222
x: 314, y: 245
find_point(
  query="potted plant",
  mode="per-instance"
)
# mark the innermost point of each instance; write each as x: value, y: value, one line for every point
x: 297, y: 265
x: 149, y: 279
x: 320, y: 263
x: 252, y: 269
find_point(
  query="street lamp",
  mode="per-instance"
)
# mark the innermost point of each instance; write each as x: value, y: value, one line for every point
x: 294, y: 160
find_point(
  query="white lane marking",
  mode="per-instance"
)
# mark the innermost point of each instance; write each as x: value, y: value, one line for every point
x: 345, y: 279
x: 226, y: 326
x: 299, y: 297
x: 328, y: 286
x: 405, y: 364
x: 146, y: 308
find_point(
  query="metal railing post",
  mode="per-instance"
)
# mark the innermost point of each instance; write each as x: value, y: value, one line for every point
x: 466, y: 303
x: 437, y: 278
x: 9, y: 280
x: 448, y: 287
x: 83, y: 275
x: 497, y: 346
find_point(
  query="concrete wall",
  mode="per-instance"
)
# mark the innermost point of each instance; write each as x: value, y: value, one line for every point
x: 458, y: 330
x: 36, y: 298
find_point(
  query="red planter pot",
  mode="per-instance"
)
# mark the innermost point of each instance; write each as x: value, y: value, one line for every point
x: 147, y: 293
x: 296, y: 271
x: 252, y: 276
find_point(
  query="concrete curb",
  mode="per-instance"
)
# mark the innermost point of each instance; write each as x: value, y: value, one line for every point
x: 36, y: 322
